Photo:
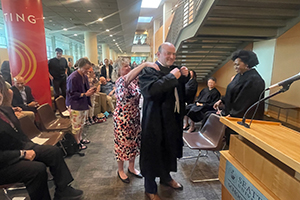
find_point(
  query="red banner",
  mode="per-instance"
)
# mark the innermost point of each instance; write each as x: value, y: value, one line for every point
x: 27, y: 45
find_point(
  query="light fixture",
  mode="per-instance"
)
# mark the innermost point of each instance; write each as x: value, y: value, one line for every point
x: 114, y: 40
x: 50, y: 20
x: 89, y: 11
x: 110, y: 35
x: 100, y: 19
x: 116, y: 43
x: 65, y: 29
x: 176, y: 5
x: 43, y: 17
x: 75, y: 34
x: 150, y: 3
x: 145, y: 19
x: 107, y: 30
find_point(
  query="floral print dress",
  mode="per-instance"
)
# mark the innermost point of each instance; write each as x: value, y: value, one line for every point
x: 127, y: 126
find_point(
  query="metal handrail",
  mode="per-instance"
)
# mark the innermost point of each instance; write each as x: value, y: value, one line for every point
x: 185, y: 14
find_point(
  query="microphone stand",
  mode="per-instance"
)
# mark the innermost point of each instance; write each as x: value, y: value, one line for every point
x: 282, y: 90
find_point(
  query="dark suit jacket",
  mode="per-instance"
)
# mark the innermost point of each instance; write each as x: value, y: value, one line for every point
x: 11, y: 140
x: 103, y: 71
x: 18, y: 101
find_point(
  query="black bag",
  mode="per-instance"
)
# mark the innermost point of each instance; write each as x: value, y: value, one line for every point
x: 70, y: 145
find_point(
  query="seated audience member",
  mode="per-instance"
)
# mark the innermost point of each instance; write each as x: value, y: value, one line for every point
x: 190, y: 92
x: 22, y: 95
x: 244, y: 90
x: 93, y: 82
x: 205, y: 102
x: 109, y: 89
x: 7, y: 99
x: 23, y: 161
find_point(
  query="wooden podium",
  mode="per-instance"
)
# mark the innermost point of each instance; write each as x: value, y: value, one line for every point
x: 263, y: 162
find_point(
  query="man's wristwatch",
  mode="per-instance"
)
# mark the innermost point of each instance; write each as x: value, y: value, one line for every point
x: 22, y: 154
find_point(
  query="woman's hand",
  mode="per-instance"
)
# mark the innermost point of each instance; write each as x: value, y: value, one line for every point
x: 217, y: 104
x: 153, y: 65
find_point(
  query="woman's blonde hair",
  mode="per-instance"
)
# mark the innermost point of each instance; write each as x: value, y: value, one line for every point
x: 121, y: 61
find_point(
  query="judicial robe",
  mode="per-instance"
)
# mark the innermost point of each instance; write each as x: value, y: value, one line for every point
x: 243, y: 91
x: 208, y: 98
x: 190, y: 91
x: 161, y: 136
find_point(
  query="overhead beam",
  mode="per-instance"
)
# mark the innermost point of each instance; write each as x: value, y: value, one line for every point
x: 215, y: 21
x: 205, y: 49
x: 238, y: 31
x: 210, y: 44
x: 253, y: 12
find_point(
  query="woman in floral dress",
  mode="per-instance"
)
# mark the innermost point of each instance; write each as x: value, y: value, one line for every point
x: 127, y: 117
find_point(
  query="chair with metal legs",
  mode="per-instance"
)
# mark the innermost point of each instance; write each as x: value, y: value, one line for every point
x: 209, y: 138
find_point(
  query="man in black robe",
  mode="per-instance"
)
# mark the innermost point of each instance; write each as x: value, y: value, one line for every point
x: 163, y: 111
x: 205, y: 102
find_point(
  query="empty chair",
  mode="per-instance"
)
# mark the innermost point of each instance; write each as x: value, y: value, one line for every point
x: 61, y: 107
x: 209, y: 138
x: 33, y: 133
x: 49, y: 122
x: 7, y: 187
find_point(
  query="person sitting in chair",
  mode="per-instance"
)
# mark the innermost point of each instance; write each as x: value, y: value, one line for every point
x: 22, y: 96
x: 205, y: 102
x: 109, y: 89
x: 22, y: 161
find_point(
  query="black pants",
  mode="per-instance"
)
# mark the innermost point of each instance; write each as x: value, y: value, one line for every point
x: 150, y: 184
x: 59, y: 86
x: 33, y: 173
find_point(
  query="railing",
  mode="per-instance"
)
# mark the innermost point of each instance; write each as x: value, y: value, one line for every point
x: 185, y: 13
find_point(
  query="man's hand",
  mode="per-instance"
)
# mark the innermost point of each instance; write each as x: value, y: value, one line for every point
x: 30, y: 155
x: 176, y: 72
x: 51, y: 77
x: 184, y: 71
x: 17, y: 109
x: 33, y: 104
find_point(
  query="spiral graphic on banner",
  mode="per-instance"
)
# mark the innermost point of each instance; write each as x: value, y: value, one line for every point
x: 27, y: 58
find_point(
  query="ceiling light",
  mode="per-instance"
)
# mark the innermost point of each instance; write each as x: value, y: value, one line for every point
x: 89, y: 11
x: 176, y: 5
x: 75, y: 34
x: 100, y: 19
x: 50, y: 20
x: 43, y: 17
x: 65, y: 29
x: 110, y: 35
x: 114, y: 40
x: 116, y: 43
x: 150, y: 3
x: 145, y: 19
x: 107, y: 30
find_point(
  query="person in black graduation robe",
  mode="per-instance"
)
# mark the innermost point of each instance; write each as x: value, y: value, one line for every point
x: 245, y: 89
x: 161, y: 136
x: 205, y: 101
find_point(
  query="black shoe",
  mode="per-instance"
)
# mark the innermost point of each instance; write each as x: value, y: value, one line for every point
x: 136, y: 175
x: 69, y: 193
x: 124, y: 180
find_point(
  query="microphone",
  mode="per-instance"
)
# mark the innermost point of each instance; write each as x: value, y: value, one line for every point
x: 285, y: 82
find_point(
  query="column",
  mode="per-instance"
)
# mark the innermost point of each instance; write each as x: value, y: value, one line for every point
x: 71, y: 50
x: 105, y: 52
x: 166, y: 15
x: 156, y: 24
x: 53, y: 44
x: 111, y: 54
x: 27, y: 52
x: 90, y: 42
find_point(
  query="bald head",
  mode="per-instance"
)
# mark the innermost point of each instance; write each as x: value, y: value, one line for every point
x: 102, y: 80
x: 166, y: 54
x: 19, y: 82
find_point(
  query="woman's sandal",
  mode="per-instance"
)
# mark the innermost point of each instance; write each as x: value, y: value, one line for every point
x: 82, y: 147
x: 85, y: 141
